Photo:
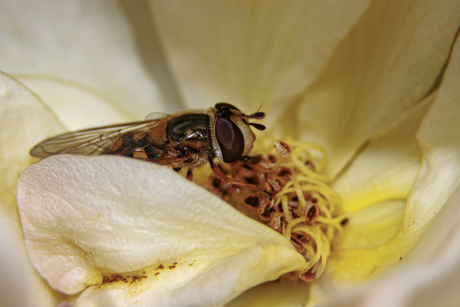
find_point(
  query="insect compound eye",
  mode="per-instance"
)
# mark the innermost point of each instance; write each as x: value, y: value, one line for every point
x: 230, y: 139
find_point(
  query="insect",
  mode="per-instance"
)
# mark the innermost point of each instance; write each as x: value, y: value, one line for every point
x: 184, y: 139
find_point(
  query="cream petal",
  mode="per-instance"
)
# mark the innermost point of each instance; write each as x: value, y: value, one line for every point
x: 23, y: 122
x: 104, y: 45
x: 87, y: 216
x: 386, y: 65
x: 438, y: 254
x: 373, y: 226
x: 249, y: 53
x: 212, y: 287
x: 439, y: 176
x: 20, y: 284
x: 77, y: 106
x: 387, y: 168
x: 439, y: 138
x: 424, y: 279
x: 274, y: 294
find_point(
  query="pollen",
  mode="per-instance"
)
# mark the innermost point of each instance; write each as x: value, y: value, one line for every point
x: 293, y: 197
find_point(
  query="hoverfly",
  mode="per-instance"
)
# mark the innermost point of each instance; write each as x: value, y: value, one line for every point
x: 184, y: 139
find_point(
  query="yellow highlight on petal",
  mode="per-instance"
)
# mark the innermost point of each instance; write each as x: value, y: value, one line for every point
x: 356, y: 265
x: 381, y: 192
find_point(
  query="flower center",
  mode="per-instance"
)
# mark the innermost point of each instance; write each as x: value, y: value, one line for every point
x: 294, y: 199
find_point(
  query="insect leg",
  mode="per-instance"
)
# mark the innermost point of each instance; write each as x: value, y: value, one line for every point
x: 189, y: 174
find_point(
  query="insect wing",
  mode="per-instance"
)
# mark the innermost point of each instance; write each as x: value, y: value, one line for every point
x: 96, y: 141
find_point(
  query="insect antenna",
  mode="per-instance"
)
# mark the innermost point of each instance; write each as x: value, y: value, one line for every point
x: 257, y: 115
x: 257, y: 126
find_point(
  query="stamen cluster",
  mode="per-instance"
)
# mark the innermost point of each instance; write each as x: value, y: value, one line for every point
x: 293, y: 198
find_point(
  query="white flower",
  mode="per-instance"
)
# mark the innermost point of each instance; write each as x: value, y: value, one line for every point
x: 363, y: 79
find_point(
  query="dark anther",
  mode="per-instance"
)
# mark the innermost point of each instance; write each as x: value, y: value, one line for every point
x: 310, y: 164
x: 252, y: 201
x: 283, y: 149
x: 255, y: 159
x: 312, y: 213
x: 216, y: 182
x: 252, y: 160
x: 285, y: 171
x: 264, y: 214
x: 344, y: 221
x: 252, y: 180
x: 272, y: 158
x: 308, y: 276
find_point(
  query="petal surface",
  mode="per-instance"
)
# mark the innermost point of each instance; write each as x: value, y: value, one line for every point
x: 388, y: 166
x: 439, y: 138
x: 385, y: 66
x: 24, y: 121
x: 439, y: 176
x: 102, y: 45
x: 77, y: 106
x: 429, y: 276
x: 250, y: 52
x: 274, y: 294
x: 88, y: 219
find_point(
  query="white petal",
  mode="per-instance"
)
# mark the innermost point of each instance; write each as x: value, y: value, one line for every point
x: 100, y: 44
x: 432, y: 277
x: 24, y: 121
x: 387, y: 64
x: 440, y: 141
x: 249, y: 53
x: 274, y: 294
x: 421, y: 281
x: 373, y: 226
x: 87, y: 216
x: 387, y: 168
x: 77, y: 106
x: 20, y: 284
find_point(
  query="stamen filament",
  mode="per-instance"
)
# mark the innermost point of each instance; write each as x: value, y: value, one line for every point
x: 300, y: 203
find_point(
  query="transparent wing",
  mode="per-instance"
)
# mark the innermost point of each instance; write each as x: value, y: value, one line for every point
x: 96, y: 141
x: 156, y: 115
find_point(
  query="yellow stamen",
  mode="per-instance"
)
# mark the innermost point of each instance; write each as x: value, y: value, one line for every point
x: 300, y: 203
